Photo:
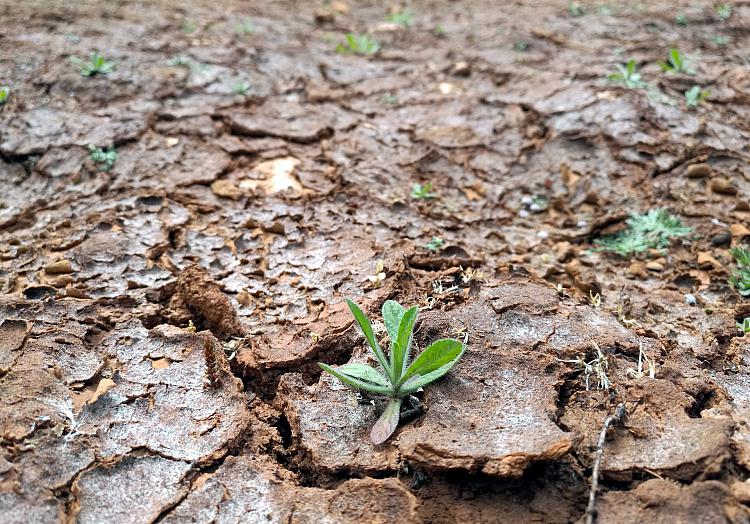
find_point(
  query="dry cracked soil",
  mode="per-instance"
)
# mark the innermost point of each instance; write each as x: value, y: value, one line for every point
x: 161, y: 316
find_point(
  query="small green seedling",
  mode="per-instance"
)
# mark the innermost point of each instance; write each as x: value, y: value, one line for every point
x: 575, y: 9
x: 694, y: 96
x: 740, y: 279
x: 422, y: 191
x: 435, y: 244
x: 721, y: 40
x: 398, y: 379
x: 402, y: 18
x: 4, y: 94
x: 246, y: 27
x: 627, y: 76
x: 681, y: 20
x: 106, y: 158
x: 241, y: 88
x: 97, y: 65
x: 189, y: 26
x: 723, y: 11
x: 439, y: 31
x: 358, y: 44
x: 744, y: 326
x: 520, y: 46
x: 676, y: 63
x: 652, y: 230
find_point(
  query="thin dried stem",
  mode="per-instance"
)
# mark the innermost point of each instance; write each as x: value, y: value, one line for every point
x: 615, y: 417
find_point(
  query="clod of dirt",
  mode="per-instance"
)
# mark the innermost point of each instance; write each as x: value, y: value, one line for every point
x: 665, y: 502
x: 135, y: 490
x: 202, y: 296
x: 253, y: 489
x: 170, y: 409
x: 13, y: 336
x: 661, y: 437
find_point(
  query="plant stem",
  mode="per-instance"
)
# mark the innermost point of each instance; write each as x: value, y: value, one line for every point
x: 615, y: 417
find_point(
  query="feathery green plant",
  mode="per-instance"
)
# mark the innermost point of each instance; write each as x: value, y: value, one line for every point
x: 740, y: 279
x: 651, y: 230
x: 106, y: 158
x: 398, y: 379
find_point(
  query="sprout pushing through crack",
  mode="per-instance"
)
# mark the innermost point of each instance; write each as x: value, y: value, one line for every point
x: 598, y: 366
x: 398, y: 379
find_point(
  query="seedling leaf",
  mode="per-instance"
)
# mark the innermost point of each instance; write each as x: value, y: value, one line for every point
x: 392, y: 313
x: 364, y: 325
x: 355, y: 382
x: 387, y: 423
x: 400, y: 350
x: 419, y: 381
x: 436, y: 356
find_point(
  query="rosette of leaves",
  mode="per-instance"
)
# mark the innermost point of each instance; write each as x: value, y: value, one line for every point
x: 397, y: 377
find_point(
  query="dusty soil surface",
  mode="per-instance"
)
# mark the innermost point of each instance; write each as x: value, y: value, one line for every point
x: 160, y: 322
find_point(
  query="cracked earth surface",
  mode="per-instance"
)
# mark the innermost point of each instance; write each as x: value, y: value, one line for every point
x: 160, y: 322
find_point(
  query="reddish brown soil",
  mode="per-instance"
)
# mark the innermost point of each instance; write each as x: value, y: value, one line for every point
x: 160, y: 323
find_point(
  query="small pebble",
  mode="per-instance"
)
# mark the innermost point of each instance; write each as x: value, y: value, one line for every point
x: 654, y: 266
x: 721, y: 239
x: 698, y: 171
x: 542, y: 234
x: 526, y: 200
x: 690, y: 300
x: 523, y: 213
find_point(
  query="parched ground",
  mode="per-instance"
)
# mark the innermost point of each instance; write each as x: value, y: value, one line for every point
x: 160, y: 322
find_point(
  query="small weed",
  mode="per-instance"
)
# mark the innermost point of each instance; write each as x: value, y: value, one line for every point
x: 106, y: 158
x: 575, y: 9
x: 439, y: 31
x: 652, y: 230
x: 595, y: 299
x: 245, y: 27
x: 189, y: 26
x: 723, y: 12
x: 627, y: 76
x: 649, y: 370
x: 721, y: 40
x: 694, y: 96
x: 680, y: 20
x: 180, y: 60
x: 402, y: 18
x: 377, y: 278
x: 4, y: 94
x: 740, y: 279
x: 358, y: 44
x: 435, y: 244
x: 677, y: 63
x: 398, y: 379
x: 97, y: 65
x: 744, y: 326
x: 241, y: 88
x: 597, y: 366
x: 390, y: 99
x: 535, y: 204
x: 422, y: 191
x: 520, y: 46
